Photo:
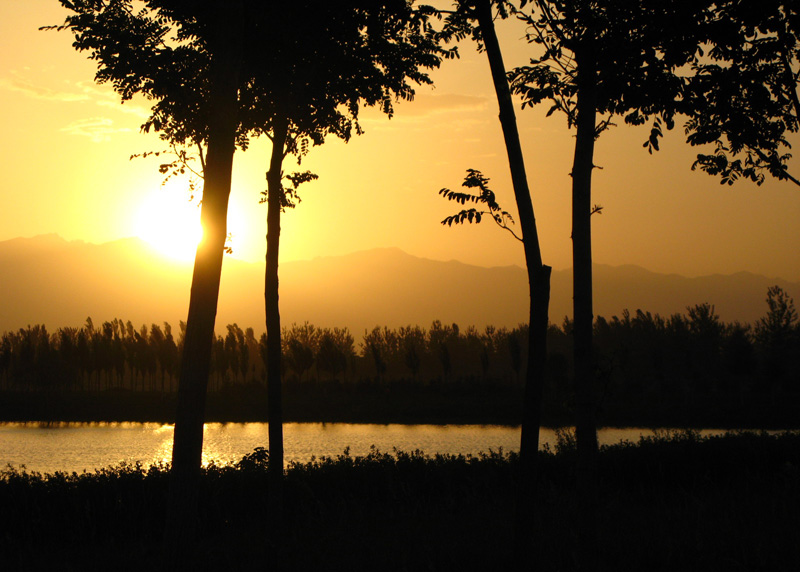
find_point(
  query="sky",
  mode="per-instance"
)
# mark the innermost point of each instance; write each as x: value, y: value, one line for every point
x: 67, y: 142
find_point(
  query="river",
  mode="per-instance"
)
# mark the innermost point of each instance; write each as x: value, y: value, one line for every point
x: 78, y: 447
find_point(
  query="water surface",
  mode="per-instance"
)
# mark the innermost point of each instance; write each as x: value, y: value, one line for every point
x: 78, y: 447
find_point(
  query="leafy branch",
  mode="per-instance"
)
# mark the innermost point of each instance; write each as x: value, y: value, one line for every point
x: 632, y: 78
x: 181, y: 165
x: 289, y: 196
x: 485, y: 196
x: 742, y: 98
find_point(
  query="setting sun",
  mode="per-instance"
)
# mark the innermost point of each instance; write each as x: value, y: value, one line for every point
x: 171, y: 223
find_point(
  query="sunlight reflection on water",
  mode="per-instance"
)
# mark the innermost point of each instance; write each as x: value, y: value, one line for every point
x: 77, y: 447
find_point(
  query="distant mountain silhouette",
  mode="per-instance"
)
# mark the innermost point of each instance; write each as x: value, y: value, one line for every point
x: 49, y: 280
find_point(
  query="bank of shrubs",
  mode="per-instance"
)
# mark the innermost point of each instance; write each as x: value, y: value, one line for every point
x: 685, y: 360
x: 673, y: 502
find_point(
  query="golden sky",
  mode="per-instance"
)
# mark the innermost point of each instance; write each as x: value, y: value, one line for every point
x: 66, y: 144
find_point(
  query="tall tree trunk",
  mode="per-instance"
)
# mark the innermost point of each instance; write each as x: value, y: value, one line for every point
x: 273, y: 322
x: 193, y: 381
x: 585, y: 423
x: 539, y: 289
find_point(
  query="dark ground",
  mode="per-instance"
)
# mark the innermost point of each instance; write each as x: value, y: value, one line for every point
x: 674, y: 503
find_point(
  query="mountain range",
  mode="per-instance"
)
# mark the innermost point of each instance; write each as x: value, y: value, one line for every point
x: 48, y: 280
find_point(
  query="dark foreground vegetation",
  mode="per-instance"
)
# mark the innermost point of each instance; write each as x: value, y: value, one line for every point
x: 683, y: 370
x: 675, y: 502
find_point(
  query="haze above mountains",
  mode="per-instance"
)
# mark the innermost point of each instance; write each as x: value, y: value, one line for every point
x: 47, y: 280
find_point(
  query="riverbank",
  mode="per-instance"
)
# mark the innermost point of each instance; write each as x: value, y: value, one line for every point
x: 677, y: 502
x: 404, y: 403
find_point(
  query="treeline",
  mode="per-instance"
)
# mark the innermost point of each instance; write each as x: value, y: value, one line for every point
x: 118, y: 355
x: 640, y: 356
x: 697, y: 364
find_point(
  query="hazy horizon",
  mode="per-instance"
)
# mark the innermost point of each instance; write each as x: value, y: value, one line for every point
x: 132, y: 280
x: 183, y: 261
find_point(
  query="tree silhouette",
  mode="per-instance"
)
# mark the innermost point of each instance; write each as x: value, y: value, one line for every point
x: 475, y: 18
x: 167, y: 355
x: 742, y: 97
x: 299, y: 356
x: 485, y: 196
x: 335, y: 351
x: 442, y: 341
x: 305, y: 70
x: 313, y: 65
x: 601, y: 59
x: 186, y: 57
x: 778, y: 337
x: 652, y: 370
x: 380, y: 346
x: 234, y: 355
x: 411, y: 344
x: 6, y: 353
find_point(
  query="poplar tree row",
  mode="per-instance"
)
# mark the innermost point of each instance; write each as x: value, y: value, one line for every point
x: 640, y: 356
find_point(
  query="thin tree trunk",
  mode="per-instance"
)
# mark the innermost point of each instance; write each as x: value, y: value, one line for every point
x: 273, y: 323
x: 539, y: 289
x: 585, y: 423
x: 194, y: 373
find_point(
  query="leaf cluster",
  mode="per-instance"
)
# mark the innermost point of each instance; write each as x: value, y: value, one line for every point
x: 742, y: 97
x: 317, y: 64
x: 161, y: 51
x: 460, y: 21
x: 630, y: 51
x: 484, y: 196
x: 312, y: 62
x: 289, y: 195
x: 182, y: 163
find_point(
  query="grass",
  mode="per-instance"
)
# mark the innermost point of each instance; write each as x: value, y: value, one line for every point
x: 671, y: 502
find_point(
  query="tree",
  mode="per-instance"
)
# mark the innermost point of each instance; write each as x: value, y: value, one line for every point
x: 380, y: 345
x: 335, y: 351
x: 485, y: 196
x: 742, y: 97
x: 313, y: 65
x: 233, y: 344
x: 600, y: 59
x: 441, y: 341
x: 167, y: 354
x: 300, y: 347
x: 780, y: 320
x: 411, y: 345
x: 475, y: 18
x: 778, y: 336
x: 193, y: 77
x: 296, y: 73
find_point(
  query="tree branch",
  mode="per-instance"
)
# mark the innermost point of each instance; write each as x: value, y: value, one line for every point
x: 785, y: 174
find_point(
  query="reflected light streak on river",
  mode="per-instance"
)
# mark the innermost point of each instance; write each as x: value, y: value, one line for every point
x: 77, y: 447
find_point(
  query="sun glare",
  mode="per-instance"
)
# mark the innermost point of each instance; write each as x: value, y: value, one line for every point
x: 171, y: 223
